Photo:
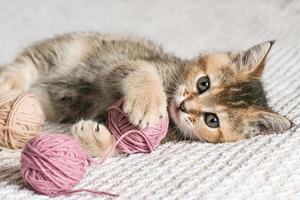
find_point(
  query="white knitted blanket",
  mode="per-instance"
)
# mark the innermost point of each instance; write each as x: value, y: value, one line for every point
x: 265, y: 167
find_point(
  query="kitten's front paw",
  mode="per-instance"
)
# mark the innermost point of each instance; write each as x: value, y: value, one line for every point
x: 94, y: 137
x: 145, y: 108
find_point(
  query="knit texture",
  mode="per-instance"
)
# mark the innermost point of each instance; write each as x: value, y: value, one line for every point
x: 262, y: 167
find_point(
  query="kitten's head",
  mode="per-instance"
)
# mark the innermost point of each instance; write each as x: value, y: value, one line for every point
x: 221, y: 98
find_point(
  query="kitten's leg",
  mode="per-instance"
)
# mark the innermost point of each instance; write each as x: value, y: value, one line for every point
x: 19, y: 75
x: 94, y: 137
x: 145, y: 100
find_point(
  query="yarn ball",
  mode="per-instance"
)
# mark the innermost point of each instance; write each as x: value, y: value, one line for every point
x: 53, y: 164
x: 21, y: 118
x: 132, y: 139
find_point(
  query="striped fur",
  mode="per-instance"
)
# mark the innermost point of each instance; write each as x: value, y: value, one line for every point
x: 77, y: 76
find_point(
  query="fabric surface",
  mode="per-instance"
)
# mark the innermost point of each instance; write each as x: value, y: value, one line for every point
x: 264, y: 167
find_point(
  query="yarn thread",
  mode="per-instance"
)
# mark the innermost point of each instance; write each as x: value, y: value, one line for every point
x: 131, y: 139
x: 21, y: 118
x: 52, y: 164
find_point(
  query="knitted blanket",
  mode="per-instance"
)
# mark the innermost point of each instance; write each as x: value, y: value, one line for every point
x: 264, y: 167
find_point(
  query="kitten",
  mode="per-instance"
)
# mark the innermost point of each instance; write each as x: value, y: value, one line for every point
x: 214, y: 98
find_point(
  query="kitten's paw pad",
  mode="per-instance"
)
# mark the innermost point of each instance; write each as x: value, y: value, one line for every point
x: 94, y: 137
x: 146, y: 108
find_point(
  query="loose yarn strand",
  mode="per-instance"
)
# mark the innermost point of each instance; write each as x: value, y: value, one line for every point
x: 85, y: 190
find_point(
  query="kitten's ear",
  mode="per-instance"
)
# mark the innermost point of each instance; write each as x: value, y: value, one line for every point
x: 268, y: 122
x: 252, y: 61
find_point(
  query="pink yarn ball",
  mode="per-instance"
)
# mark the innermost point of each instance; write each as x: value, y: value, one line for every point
x: 53, y: 164
x: 131, y: 139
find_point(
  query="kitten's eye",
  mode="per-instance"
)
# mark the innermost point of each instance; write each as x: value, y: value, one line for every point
x: 203, y: 84
x: 211, y: 120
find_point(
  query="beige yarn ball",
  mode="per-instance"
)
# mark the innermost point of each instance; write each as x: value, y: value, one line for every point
x: 21, y: 118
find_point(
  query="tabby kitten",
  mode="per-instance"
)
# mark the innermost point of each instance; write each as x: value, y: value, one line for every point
x: 214, y: 98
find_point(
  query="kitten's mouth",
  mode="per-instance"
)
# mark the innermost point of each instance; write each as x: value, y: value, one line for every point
x: 176, y: 115
x: 174, y: 112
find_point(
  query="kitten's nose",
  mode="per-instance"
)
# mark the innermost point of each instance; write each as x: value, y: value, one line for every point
x: 182, y: 107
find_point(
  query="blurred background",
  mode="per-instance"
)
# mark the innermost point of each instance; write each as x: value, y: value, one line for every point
x: 184, y: 27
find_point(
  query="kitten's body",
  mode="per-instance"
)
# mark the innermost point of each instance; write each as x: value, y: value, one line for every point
x: 77, y: 76
x: 82, y: 72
